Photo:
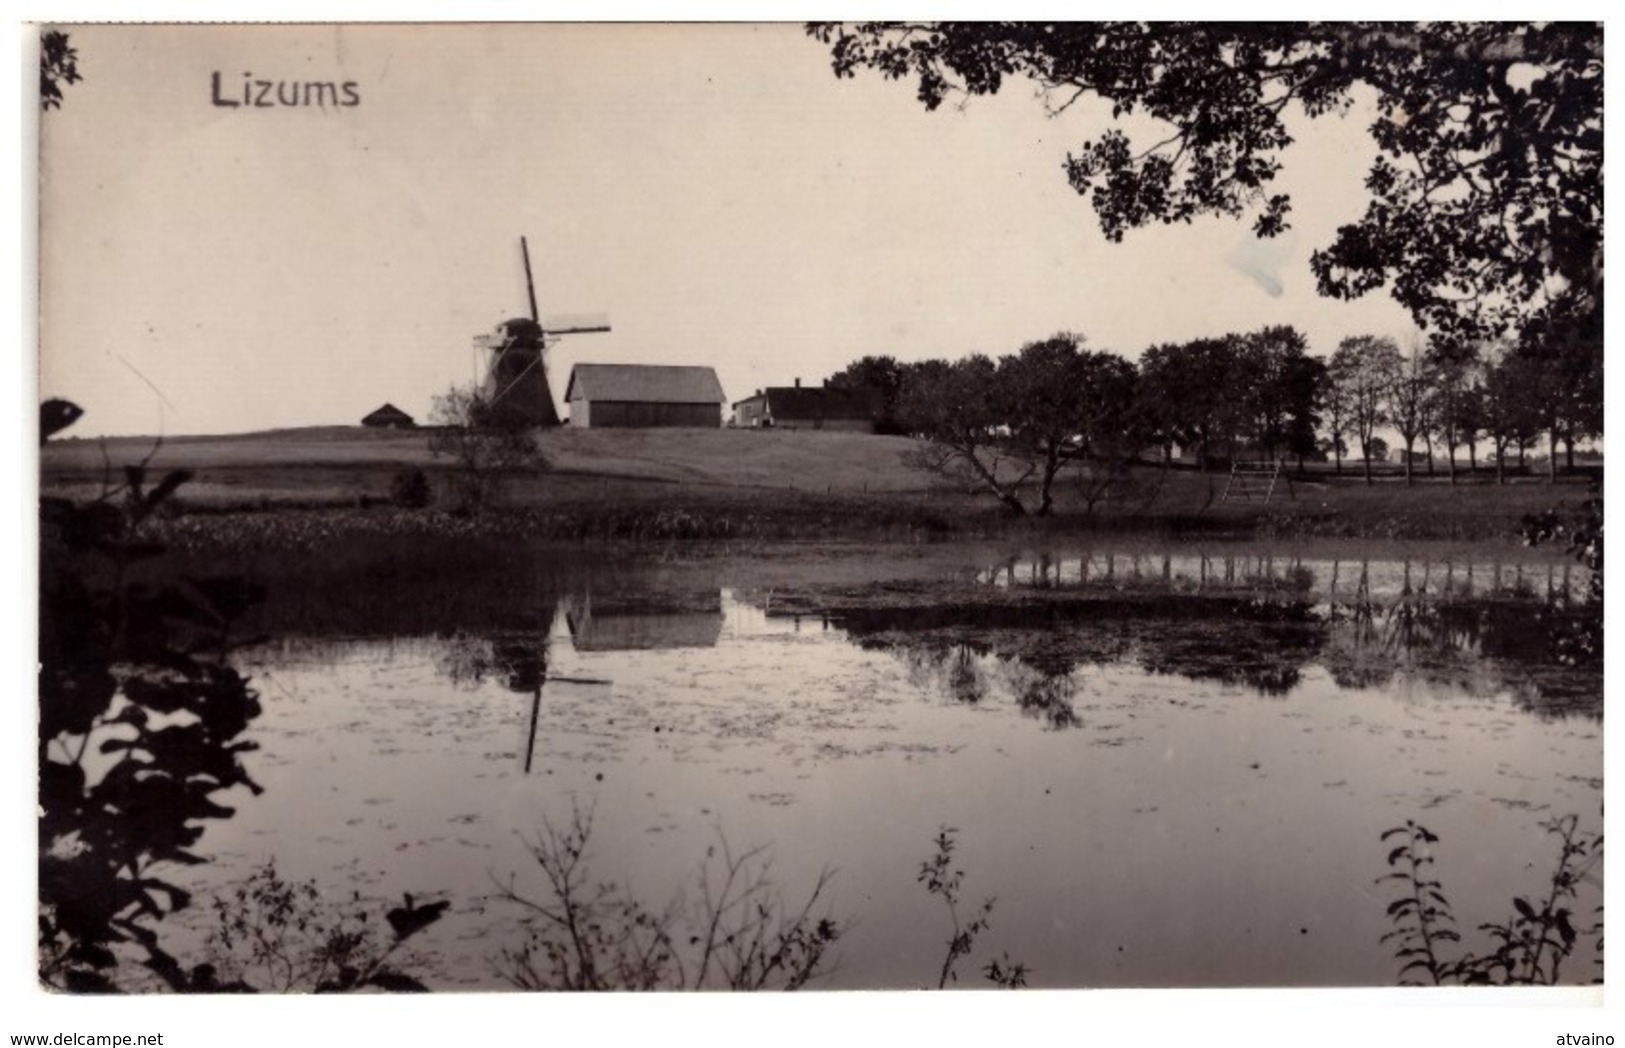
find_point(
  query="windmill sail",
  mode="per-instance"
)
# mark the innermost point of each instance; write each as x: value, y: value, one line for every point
x: 574, y: 323
x: 515, y: 387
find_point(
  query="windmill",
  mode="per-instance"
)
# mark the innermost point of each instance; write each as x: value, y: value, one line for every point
x: 515, y: 388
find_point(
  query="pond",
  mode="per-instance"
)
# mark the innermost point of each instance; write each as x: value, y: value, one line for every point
x: 1167, y: 769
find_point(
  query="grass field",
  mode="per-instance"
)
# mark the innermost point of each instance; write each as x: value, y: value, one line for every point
x: 801, y: 482
x: 305, y: 458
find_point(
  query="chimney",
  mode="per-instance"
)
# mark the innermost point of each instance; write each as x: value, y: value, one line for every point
x: 798, y: 383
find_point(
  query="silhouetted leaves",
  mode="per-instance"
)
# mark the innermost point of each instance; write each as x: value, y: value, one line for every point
x: 1529, y: 947
x: 139, y: 731
x: 271, y: 935
x: 58, y: 65
x: 944, y: 879
x: 56, y: 415
x: 740, y: 934
x: 1485, y: 194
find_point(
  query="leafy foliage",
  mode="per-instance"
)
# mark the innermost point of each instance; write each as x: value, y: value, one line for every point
x: 1485, y: 210
x: 739, y: 935
x: 1187, y: 392
x: 959, y: 411
x: 1421, y: 913
x: 271, y: 935
x: 1066, y: 404
x: 944, y: 879
x: 1033, y: 413
x: 409, y: 489
x: 882, y: 375
x: 58, y: 65
x: 140, y: 725
x: 484, y: 445
x: 1364, y: 370
x: 141, y: 719
x: 1530, y: 945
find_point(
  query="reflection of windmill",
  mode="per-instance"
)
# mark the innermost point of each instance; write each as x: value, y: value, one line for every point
x: 515, y: 386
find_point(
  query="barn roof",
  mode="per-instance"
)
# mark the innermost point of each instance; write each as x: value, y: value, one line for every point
x: 386, y: 414
x: 645, y: 383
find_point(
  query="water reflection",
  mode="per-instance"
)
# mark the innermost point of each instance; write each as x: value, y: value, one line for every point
x: 518, y: 661
x: 1171, y: 831
x: 1267, y: 645
x: 638, y: 625
x: 972, y: 674
x: 1430, y: 631
x: 1326, y: 578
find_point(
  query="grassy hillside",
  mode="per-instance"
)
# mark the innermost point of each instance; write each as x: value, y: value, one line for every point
x: 739, y: 457
x: 285, y: 460
x: 828, y: 481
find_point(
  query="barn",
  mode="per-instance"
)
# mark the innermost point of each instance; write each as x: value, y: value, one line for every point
x: 809, y: 407
x: 642, y: 396
x: 388, y: 417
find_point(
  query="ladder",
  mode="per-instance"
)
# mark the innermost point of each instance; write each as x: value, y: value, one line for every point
x: 1250, y: 481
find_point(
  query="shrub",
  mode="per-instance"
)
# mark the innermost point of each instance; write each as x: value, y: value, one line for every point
x: 271, y: 935
x: 141, y: 717
x: 410, y: 490
x: 739, y: 935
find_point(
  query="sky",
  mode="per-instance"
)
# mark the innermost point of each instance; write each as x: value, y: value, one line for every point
x: 714, y: 188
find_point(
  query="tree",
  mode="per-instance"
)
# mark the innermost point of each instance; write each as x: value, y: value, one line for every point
x: 485, y: 446
x: 1160, y: 398
x: 1305, y: 383
x: 1509, y: 412
x: 1060, y: 402
x: 1033, y: 413
x: 1188, y: 392
x: 1569, y: 394
x: 58, y: 65
x: 1449, y: 399
x: 1364, y: 368
x: 956, y: 408
x: 882, y: 375
x: 1410, y: 403
x: 1265, y: 385
x: 1485, y: 210
x: 1470, y: 416
x: 1335, y: 397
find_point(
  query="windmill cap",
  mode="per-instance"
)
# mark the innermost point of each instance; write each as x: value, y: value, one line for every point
x: 521, y: 327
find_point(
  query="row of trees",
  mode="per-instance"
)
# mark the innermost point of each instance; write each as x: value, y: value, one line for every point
x: 1021, y: 419
x: 1451, y: 398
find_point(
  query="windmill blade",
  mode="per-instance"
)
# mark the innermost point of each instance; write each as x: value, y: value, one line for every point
x: 575, y: 323
x: 530, y: 285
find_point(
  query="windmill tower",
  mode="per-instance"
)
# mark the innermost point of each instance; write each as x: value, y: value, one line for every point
x: 515, y: 388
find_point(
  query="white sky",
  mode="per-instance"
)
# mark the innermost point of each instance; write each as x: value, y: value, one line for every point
x: 714, y: 188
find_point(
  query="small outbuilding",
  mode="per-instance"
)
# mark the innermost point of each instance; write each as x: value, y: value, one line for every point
x: 809, y: 407
x: 389, y: 417
x: 644, y: 396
